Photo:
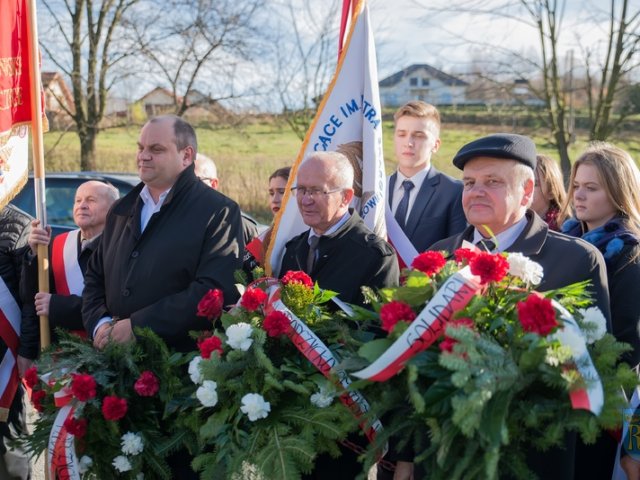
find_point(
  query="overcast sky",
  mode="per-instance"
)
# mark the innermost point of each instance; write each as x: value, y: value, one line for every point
x: 419, y: 31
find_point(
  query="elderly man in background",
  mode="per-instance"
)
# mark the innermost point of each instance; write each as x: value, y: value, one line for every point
x: 207, y: 171
x: 69, y: 257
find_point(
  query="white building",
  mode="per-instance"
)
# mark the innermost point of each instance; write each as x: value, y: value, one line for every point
x: 422, y: 82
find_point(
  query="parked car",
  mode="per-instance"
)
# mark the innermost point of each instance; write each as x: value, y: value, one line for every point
x: 60, y: 191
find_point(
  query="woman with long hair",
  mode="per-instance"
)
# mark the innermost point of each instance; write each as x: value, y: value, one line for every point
x: 604, y: 192
x: 549, y: 195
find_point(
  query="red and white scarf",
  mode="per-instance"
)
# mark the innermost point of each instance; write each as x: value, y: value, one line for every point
x: 10, y: 318
x: 64, y: 263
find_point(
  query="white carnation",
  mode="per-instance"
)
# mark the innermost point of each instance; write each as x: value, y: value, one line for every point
x: 121, y: 464
x: 85, y: 464
x: 255, y: 406
x: 594, y: 317
x: 194, y: 370
x: 524, y: 268
x: 208, y: 393
x: 239, y: 336
x: 132, y: 443
x: 323, y: 398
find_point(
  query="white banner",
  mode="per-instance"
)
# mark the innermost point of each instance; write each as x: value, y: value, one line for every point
x: 349, y: 121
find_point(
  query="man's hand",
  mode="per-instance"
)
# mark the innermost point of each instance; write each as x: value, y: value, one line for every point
x: 38, y: 236
x: 404, y: 471
x: 119, y: 331
x: 24, y: 364
x: 42, y: 301
x: 631, y: 467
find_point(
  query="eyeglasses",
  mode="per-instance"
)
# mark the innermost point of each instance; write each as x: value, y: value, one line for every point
x: 312, y: 192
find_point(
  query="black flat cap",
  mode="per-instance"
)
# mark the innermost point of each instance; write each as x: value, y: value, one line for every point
x: 500, y: 145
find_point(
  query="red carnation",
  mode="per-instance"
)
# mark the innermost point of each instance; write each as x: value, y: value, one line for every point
x: 464, y: 255
x: 252, y: 298
x: 297, y: 276
x: 394, y: 312
x: 447, y: 344
x: 536, y: 314
x: 83, y: 386
x: 114, y: 408
x: 209, y: 345
x: 211, y: 304
x: 76, y: 426
x: 31, y: 377
x: 147, y: 384
x: 276, y: 323
x: 429, y: 262
x: 489, y: 267
x: 37, y: 396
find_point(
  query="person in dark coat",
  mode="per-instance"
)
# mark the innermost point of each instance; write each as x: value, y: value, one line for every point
x: 207, y: 171
x: 165, y: 244
x: 432, y: 209
x: 69, y: 256
x: 348, y: 255
x: 339, y: 253
x: 16, y: 356
x: 498, y: 180
x: 604, y: 192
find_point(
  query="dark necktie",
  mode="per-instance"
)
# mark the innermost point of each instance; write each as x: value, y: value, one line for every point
x: 486, y: 245
x: 311, y: 256
x: 403, y: 206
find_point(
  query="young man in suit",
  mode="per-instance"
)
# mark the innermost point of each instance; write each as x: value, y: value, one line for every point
x: 426, y: 203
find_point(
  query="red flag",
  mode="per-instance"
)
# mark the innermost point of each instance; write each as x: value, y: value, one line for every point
x: 15, y: 115
x: 15, y: 91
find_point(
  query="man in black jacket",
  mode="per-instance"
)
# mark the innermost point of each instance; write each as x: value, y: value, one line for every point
x: 338, y: 251
x: 165, y: 244
x: 498, y: 180
x: 341, y: 254
x: 14, y: 355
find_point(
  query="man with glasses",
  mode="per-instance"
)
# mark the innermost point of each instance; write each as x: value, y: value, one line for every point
x: 338, y: 251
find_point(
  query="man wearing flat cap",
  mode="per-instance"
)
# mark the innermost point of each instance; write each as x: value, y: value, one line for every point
x: 498, y: 180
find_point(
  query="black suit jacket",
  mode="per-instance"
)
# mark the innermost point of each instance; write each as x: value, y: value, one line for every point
x: 349, y: 258
x: 437, y: 211
x: 565, y: 259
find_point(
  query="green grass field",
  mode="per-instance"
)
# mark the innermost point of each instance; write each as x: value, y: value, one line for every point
x: 246, y: 156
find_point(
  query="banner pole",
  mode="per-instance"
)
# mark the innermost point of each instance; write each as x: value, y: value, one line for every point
x: 38, y: 161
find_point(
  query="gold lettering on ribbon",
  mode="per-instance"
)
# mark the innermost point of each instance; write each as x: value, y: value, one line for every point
x: 10, y: 66
x: 10, y: 98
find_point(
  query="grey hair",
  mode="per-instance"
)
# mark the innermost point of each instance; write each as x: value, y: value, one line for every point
x: 339, y: 166
x: 521, y: 175
x: 206, y: 167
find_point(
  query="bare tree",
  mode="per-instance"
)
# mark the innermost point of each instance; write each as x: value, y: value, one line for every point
x: 305, y: 55
x: 196, y: 42
x: 80, y: 38
x: 547, y: 72
x: 621, y: 58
